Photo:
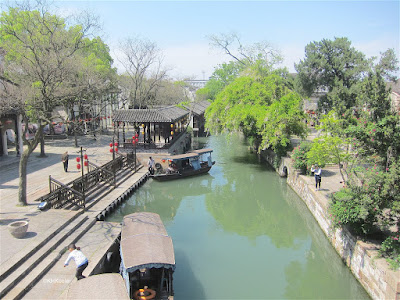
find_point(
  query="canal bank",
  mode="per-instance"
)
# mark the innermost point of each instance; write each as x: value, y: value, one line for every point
x: 362, y: 258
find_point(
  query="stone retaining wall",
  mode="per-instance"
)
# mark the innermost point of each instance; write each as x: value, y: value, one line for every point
x: 372, y: 272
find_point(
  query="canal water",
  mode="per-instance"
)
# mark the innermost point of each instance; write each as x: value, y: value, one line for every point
x: 240, y: 232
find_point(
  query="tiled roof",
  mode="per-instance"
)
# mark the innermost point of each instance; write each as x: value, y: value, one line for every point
x: 198, y: 108
x: 159, y: 115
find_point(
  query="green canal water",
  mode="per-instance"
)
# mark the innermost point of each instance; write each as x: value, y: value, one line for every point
x: 240, y: 232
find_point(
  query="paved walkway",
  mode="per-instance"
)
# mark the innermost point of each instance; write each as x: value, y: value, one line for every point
x: 42, y: 224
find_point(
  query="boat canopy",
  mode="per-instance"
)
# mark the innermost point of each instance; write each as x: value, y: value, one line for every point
x: 103, y: 286
x: 145, y: 243
x: 203, y: 151
x: 182, y: 156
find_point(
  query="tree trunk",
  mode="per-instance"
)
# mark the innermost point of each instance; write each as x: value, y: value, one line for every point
x: 23, y: 163
x: 42, y: 152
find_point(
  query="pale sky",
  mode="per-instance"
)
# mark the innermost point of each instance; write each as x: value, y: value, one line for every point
x: 181, y: 28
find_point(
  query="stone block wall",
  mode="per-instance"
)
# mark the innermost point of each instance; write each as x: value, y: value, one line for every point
x: 372, y: 272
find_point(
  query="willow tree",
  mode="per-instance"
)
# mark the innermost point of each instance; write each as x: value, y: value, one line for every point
x: 263, y: 108
x: 42, y: 59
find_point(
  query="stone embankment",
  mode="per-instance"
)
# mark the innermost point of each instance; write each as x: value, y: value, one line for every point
x: 362, y: 258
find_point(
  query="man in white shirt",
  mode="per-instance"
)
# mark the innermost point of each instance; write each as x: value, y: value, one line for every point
x: 79, y: 258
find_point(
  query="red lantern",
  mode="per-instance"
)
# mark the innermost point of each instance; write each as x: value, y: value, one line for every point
x: 54, y: 123
x: 78, y: 166
x: 111, y: 144
x: 78, y: 159
x: 136, y: 135
x: 133, y: 141
x: 116, y: 149
x: 85, y: 163
x: 137, y: 140
x: 116, y: 144
x: 85, y: 156
x: 163, y: 160
x: 111, y: 150
x: 108, y: 117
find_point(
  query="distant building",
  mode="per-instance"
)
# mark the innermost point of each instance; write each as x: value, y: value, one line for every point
x: 197, y: 84
x: 395, y: 94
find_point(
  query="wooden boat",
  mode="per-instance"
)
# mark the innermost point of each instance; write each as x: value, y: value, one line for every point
x: 184, y: 165
x: 147, y: 257
x: 102, y: 286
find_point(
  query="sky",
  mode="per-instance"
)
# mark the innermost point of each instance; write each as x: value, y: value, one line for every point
x: 181, y: 28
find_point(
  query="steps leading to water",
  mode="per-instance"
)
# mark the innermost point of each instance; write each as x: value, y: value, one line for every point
x: 24, y: 271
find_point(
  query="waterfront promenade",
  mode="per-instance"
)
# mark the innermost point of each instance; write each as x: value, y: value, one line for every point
x: 94, y: 237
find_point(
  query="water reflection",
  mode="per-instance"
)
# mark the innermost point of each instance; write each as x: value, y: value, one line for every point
x: 239, y: 232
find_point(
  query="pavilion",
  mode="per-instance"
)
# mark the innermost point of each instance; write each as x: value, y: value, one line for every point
x: 157, y: 128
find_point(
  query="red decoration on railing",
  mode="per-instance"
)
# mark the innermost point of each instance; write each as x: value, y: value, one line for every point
x: 111, y: 150
x: 111, y: 144
x: 78, y: 166
x: 85, y: 156
x: 116, y: 144
x: 116, y: 149
x: 85, y: 163
x: 78, y: 159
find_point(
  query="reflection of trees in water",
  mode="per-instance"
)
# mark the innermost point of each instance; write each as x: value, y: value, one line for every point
x: 164, y: 198
x: 250, y: 201
x: 305, y: 280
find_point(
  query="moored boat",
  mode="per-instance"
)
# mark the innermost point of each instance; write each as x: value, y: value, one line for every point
x: 184, y: 165
x: 147, y: 257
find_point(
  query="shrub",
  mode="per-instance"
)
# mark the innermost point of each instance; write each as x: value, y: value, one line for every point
x: 391, y: 250
x: 299, y: 156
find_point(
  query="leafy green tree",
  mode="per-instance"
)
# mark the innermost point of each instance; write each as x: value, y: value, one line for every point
x: 222, y: 76
x: 332, y: 66
x: 42, y: 59
x: 264, y: 109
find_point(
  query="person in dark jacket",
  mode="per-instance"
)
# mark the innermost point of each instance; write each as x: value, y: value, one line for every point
x: 64, y: 159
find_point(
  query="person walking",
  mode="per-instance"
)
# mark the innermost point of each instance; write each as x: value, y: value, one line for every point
x: 80, y: 259
x: 151, y: 164
x: 317, y: 174
x: 64, y: 159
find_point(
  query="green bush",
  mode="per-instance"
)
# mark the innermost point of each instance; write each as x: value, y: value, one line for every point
x: 350, y: 207
x: 391, y: 250
x: 299, y: 156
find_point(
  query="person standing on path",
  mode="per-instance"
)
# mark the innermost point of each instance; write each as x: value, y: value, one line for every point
x: 80, y: 259
x: 64, y: 159
x: 317, y: 174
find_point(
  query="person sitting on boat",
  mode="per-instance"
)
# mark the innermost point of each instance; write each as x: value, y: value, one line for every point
x: 172, y: 168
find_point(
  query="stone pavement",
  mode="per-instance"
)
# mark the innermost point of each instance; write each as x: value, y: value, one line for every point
x: 42, y: 224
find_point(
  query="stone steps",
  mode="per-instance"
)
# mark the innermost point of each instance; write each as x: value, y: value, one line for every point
x: 32, y: 269
x: 22, y: 273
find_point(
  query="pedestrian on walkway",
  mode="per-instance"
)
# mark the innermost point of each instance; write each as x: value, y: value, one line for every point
x: 151, y: 164
x: 80, y: 259
x: 64, y: 159
x: 317, y: 174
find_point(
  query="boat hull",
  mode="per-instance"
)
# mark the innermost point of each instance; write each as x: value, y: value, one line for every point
x: 183, y: 174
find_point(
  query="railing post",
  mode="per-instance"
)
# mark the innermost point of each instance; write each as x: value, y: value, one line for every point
x: 50, y: 183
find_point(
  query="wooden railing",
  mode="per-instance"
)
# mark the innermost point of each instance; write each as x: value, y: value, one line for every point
x: 77, y: 190
x: 61, y: 194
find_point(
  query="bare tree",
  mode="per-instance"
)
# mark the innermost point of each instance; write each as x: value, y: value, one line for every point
x: 246, y: 55
x: 41, y: 52
x: 143, y: 63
